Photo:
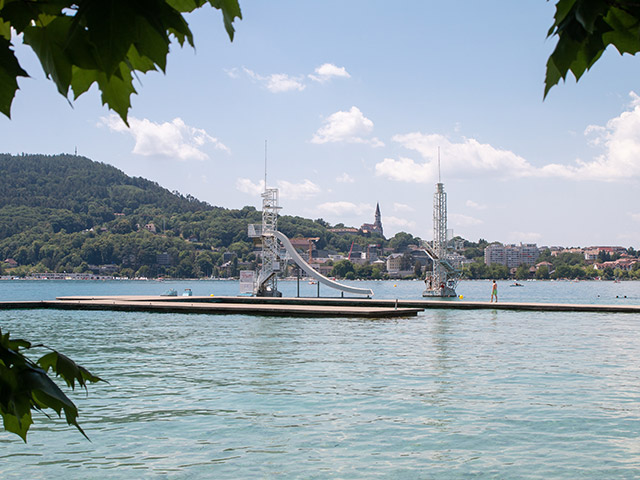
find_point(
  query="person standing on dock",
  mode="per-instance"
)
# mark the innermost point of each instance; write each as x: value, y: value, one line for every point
x: 494, y: 291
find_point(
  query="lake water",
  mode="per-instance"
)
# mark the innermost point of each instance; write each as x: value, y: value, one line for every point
x: 446, y: 394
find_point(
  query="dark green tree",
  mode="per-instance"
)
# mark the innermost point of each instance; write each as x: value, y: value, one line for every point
x: 342, y: 268
x: 542, y: 273
x: 522, y: 272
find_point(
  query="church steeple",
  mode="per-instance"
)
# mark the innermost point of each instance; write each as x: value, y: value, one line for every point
x: 377, y: 224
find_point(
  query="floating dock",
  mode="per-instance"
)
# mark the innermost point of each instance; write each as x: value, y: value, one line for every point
x: 296, y: 306
x: 202, y: 305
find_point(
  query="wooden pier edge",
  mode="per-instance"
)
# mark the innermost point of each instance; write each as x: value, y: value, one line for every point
x: 297, y: 306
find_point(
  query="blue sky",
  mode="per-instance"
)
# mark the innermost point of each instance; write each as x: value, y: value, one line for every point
x: 354, y: 99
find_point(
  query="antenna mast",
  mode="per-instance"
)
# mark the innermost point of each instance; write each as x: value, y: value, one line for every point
x: 265, y: 165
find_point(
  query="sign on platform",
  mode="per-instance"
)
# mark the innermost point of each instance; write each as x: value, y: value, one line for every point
x: 247, y: 281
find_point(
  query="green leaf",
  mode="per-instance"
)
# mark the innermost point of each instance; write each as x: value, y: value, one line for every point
x: 111, y: 27
x: 625, y: 31
x: 46, y: 394
x: 48, y: 43
x: 20, y: 14
x: 18, y: 425
x: 588, y: 12
x: 81, y: 80
x: 138, y: 62
x: 69, y: 370
x: 230, y: 11
x: 10, y: 70
x: 185, y: 5
x: 5, y: 30
x: 117, y: 91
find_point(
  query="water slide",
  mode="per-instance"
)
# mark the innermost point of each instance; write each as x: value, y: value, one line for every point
x: 313, y: 273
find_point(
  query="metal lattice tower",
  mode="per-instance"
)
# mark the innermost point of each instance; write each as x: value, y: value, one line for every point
x: 440, y: 221
x: 443, y: 278
x: 439, y: 232
x: 270, y: 248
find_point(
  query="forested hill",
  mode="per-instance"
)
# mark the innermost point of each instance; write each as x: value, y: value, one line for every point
x: 82, y: 185
x: 68, y: 213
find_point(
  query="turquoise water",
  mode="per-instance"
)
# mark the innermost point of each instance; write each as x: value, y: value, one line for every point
x: 446, y: 394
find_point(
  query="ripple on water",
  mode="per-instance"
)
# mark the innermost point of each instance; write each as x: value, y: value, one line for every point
x: 443, y: 395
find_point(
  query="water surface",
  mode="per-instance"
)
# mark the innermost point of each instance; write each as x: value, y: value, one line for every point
x: 446, y: 394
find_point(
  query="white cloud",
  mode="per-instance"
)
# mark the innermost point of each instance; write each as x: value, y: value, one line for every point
x: 327, y: 71
x: 474, y: 205
x: 232, y: 72
x: 402, y: 207
x: 282, y: 82
x: 172, y: 139
x: 245, y: 185
x: 345, y: 178
x: 276, y: 82
x: 348, y: 127
x: 345, y: 208
x: 468, y: 157
x: 460, y: 220
x: 295, y: 191
x: 619, y: 139
x: 289, y: 190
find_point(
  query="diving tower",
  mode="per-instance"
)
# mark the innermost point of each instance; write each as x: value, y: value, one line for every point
x: 443, y: 278
x: 266, y: 285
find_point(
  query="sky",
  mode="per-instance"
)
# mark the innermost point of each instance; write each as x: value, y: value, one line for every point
x: 354, y: 101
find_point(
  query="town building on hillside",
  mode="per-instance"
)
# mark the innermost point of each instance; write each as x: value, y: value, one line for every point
x: 545, y: 264
x: 305, y: 246
x: 511, y: 256
x: 376, y: 226
x: 592, y: 253
x: 625, y: 264
x: 394, y: 262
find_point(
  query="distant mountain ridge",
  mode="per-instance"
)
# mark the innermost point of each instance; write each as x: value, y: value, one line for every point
x: 72, y: 182
x: 69, y: 213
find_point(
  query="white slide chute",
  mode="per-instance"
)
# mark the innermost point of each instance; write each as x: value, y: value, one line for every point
x: 315, y: 274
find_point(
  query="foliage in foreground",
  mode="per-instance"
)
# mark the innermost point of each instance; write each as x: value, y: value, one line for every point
x: 585, y: 28
x: 25, y: 385
x: 106, y: 42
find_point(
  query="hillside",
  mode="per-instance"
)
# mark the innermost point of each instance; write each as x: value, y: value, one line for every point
x: 66, y: 213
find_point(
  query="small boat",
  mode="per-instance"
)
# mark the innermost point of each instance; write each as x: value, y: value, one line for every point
x: 172, y: 292
x: 187, y: 292
x: 516, y: 284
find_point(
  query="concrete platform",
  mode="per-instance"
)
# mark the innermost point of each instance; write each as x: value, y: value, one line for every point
x: 192, y: 305
x: 422, y: 304
x: 298, y: 306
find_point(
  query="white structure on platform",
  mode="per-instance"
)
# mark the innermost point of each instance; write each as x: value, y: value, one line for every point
x: 443, y: 278
x: 267, y: 282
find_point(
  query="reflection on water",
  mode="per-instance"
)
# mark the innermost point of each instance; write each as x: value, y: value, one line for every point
x: 447, y: 394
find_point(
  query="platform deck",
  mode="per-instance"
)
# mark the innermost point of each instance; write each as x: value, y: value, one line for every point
x: 423, y: 304
x: 152, y: 304
x: 298, y: 306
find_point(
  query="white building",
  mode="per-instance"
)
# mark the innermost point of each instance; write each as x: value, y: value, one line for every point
x: 393, y: 263
x: 511, y: 255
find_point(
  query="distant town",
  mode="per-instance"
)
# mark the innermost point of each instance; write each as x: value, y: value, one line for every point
x: 67, y: 217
